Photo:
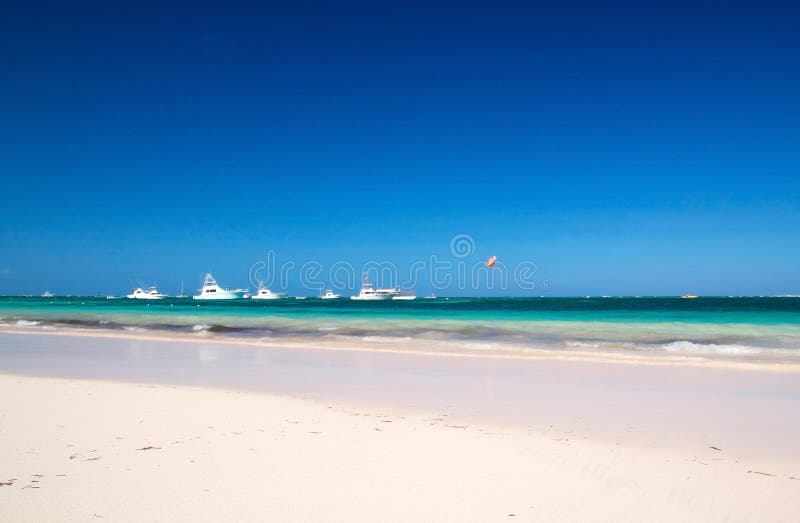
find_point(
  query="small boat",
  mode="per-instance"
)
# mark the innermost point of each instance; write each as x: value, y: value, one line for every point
x: 330, y: 295
x: 368, y: 293
x: 689, y: 296
x: 47, y: 294
x: 212, y: 291
x: 430, y: 297
x: 181, y: 295
x: 300, y: 297
x: 265, y: 294
x: 149, y: 294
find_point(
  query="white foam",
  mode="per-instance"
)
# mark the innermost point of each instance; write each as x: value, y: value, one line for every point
x: 201, y: 327
x: 582, y: 345
x: 26, y: 323
x: 708, y: 348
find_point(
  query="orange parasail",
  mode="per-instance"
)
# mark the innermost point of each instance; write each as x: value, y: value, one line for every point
x: 491, y: 261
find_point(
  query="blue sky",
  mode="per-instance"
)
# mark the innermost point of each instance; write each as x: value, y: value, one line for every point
x: 624, y: 148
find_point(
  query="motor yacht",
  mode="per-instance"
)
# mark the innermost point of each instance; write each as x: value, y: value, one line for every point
x: 212, y: 291
x: 397, y: 294
x: 368, y: 293
x: 149, y: 294
x: 265, y: 294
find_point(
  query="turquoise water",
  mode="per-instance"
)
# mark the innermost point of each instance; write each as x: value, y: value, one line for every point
x: 709, y: 325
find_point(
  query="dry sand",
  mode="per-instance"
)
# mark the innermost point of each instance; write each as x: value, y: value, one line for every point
x: 76, y: 449
x: 80, y: 450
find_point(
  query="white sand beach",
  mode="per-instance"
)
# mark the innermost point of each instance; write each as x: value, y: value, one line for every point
x: 143, y: 430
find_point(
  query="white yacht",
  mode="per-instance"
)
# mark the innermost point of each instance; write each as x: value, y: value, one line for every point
x: 212, y: 291
x: 266, y: 294
x: 330, y: 295
x: 397, y: 294
x: 47, y: 294
x: 149, y: 294
x: 367, y: 292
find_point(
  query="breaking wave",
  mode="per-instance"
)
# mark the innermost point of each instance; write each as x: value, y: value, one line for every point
x: 734, y: 328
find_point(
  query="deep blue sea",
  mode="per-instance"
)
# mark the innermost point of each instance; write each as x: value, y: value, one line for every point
x: 713, y: 325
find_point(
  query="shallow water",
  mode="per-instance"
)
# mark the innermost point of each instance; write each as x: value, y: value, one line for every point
x: 741, y: 327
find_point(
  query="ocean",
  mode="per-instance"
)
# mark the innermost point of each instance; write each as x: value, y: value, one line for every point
x: 749, y: 327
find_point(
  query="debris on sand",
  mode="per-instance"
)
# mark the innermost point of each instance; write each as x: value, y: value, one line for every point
x: 762, y: 473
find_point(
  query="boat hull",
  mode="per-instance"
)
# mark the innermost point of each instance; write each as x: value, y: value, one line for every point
x: 224, y: 295
x: 273, y: 296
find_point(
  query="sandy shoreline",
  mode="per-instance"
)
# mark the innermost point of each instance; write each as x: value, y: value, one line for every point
x: 760, y: 363
x: 242, y: 433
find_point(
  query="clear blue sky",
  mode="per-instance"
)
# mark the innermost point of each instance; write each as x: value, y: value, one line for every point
x: 625, y: 148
